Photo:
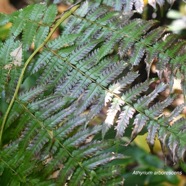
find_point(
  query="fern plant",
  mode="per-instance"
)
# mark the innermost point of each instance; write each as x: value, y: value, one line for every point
x: 48, y: 135
x: 126, y: 5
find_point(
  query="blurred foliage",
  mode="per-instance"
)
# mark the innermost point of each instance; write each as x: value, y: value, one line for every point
x: 178, y: 17
x: 153, y: 170
x: 4, y: 31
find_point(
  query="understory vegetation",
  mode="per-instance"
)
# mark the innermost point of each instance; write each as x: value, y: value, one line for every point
x: 72, y: 103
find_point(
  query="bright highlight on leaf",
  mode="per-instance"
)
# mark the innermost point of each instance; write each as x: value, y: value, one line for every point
x: 17, y: 56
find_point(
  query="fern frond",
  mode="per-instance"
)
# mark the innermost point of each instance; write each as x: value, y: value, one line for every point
x: 42, y: 60
x: 47, y: 128
x: 123, y: 120
x: 41, y: 36
x: 176, y: 112
x: 117, y: 87
x: 82, y: 51
x: 152, y: 130
x: 63, y: 41
x: 11, y: 63
x: 127, y: 5
x: 50, y: 15
x: 31, y: 94
x: 135, y: 91
x: 33, y: 18
x: 157, y: 109
x: 139, y: 123
x: 175, y: 144
x: 144, y: 101
x: 111, y: 113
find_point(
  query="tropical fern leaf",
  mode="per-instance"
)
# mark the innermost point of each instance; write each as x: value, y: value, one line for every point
x: 127, y: 5
x: 30, y: 20
x: 93, y: 66
x: 123, y: 121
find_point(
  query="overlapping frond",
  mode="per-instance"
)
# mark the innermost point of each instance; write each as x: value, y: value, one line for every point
x: 127, y: 5
x: 93, y: 66
x: 33, y: 22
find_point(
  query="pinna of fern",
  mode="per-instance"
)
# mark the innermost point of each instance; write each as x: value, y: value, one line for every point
x: 128, y: 5
x: 48, y: 126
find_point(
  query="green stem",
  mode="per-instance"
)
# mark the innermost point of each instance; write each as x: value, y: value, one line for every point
x: 63, y: 18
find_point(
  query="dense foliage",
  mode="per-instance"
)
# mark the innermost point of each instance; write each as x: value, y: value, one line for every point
x: 53, y: 92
